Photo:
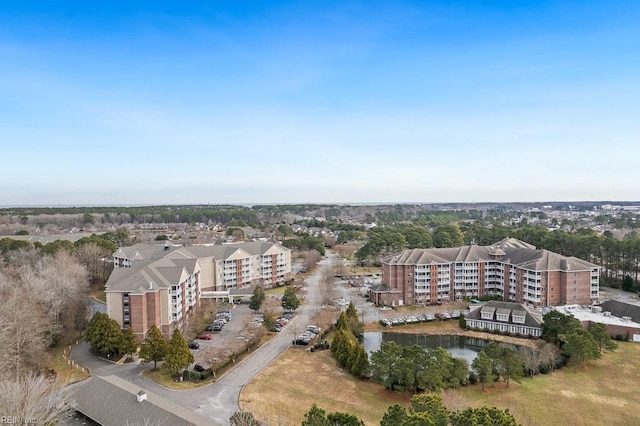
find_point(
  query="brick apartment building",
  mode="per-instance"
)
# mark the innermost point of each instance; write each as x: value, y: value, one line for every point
x: 155, y: 284
x: 511, y: 269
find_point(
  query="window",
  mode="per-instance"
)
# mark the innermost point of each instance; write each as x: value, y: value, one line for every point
x: 518, y: 319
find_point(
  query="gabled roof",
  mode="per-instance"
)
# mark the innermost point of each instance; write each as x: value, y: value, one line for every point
x: 151, y: 276
x: 110, y: 400
x: 509, y: 251
x: 147, y: 251
x: 380, y: 288
x: 159, y: 266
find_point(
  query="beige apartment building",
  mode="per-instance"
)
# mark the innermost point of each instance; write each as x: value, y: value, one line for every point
x: 511, y: 270
x: 154, y: 284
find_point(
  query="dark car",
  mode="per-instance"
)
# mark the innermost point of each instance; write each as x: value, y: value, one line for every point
x: 199, y: 368
x: 194, y: 345
x: 303, y: 341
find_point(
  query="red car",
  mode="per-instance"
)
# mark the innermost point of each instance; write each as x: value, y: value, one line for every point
x: 204, y: 336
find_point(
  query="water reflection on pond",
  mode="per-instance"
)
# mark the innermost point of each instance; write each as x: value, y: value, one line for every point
x: 459, y: 346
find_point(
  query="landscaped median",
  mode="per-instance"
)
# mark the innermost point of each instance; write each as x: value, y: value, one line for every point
x: 161, y: 377
x: 193, y: 379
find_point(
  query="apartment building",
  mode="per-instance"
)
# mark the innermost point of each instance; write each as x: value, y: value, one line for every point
x: 511, y: 269
x: 155, y: 284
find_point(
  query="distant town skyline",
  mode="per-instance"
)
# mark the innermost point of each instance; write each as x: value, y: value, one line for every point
x: 302, y: 102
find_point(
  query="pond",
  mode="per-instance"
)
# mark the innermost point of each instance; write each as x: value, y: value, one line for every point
x: 459, y: 346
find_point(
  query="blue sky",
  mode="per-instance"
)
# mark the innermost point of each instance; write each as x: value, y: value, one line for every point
x: 319, y: 101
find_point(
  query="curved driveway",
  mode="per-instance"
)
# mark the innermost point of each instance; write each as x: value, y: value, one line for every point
x: 219, y: 400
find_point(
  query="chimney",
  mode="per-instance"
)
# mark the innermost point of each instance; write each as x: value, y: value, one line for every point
x: 141, y: 396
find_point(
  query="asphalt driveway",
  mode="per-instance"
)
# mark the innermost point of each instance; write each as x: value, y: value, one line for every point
x: 219, y: 400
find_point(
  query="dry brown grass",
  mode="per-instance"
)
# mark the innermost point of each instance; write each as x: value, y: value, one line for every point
x: 363, y: 270
x: 59, y: 361
x: 604, y: 392
x: 285, y: 390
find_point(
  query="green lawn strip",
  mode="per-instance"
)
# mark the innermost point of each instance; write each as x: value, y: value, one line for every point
x: 164, y: 379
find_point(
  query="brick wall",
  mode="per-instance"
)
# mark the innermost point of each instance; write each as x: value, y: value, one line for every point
x: 138, y: 309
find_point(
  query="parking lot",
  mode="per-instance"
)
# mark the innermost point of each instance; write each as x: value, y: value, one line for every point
x: 233, y: 336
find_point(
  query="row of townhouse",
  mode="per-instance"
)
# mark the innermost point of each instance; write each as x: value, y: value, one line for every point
x: 161, y: 285
x: 511, y: 270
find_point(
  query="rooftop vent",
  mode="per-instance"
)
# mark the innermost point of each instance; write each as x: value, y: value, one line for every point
x: 626, y: 319
x: 596, y: 309
x: 141, y: 396
x: 150, y: 285
x: 606, y: 313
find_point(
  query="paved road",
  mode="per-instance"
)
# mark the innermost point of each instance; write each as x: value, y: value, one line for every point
x: 224, y: 395
x: 219, y: 400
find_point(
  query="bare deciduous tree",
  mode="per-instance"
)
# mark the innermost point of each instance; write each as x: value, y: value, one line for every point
x: 24, y: 330
x: 346, y: 251
x: 34, y: 399
x: 93, y: 258
x: 311, y: 259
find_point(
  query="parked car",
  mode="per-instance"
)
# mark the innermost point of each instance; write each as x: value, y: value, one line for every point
x: 303, y: 339
x: 204, y: 336
x: 194, y: 345
x: 199, y: 368
x: 386, y: 322
x: 314, y: 328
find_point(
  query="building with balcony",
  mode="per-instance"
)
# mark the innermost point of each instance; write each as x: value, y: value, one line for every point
x: 510, y: 270
x: 161, y: 285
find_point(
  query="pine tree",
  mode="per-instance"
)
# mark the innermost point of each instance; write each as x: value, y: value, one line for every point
x: 178, y: 355
x: 96, y: 329
x: 483, y: 367
x: 290, y: 300
x: 129, y: 344
x: 111, y: 339
x: 154, y: 347
x: 352, y: 319
x: 395, y: 415
x: 342, y: 323
x: 316, y: 416
x: 257, y: 298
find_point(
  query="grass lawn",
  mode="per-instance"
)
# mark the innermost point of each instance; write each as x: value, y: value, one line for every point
x: 161, y: 377
x: 66, y: 373
x: 603, y: 392
x: 276, y: 290
x: 287, y: 388
x: 363, y: 270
